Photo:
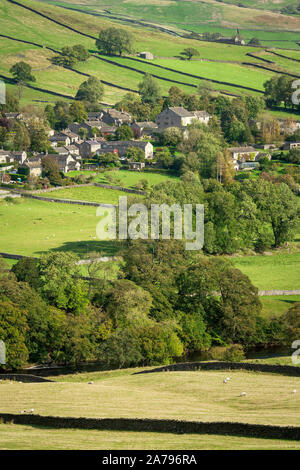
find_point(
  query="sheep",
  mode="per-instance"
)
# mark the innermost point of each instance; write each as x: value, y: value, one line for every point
x: 90, y: 383
x: 31, y: 411
x: 243, y: 394
x: 225, y: 381
x: 294, y: 391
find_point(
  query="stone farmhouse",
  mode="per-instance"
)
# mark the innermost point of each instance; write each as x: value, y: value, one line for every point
x: 121, y: 146
x: 89, y: 147
x: 291, y: 145
x: 113, y: 117
x: 243, y: 154
x: 8, y: 156
x: 66, y: 162
x: 34, y: 165
x: 141, y: 129
x: 180, y: 117
x: 59, y: 138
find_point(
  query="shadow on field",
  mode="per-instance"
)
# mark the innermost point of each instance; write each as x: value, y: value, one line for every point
x: 107, y: 247
x: 286, y: 301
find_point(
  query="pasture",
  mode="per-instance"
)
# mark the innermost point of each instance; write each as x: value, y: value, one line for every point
x: 277, y: 304
x: 87, y: 193
x: 23, y: 24
x: 126, y: 178
x: 18, y: 437
x: 201, y: 16
x: 189, y: 396
x: 277, y: 271
x: 31, y: 227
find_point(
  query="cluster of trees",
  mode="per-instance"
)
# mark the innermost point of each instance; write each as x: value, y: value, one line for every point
x: 114, y: 41
x: 32, y: 136
x: 164, y: 303
x: 253, y: 214
x: 291, y: 9
x: 62, y: 114
x: 22, y: 72
x: 71, y: 55
x: 279, y: 90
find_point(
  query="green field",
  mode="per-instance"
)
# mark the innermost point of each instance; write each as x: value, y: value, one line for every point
x: 207, y: 15
x: 17, y: 437
x: 126, y: 178
x: 279, y: 271
x: 277, y: 305
x: 22, y: 24
x: 196, y: 396
x: 31, y: 227
x: 87, y: 193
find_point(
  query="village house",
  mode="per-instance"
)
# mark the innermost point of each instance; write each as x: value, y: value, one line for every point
x: 137, y: 166
x: 180, y: 117
x: 34, y: 165
x: 243, y: 154
x: 95, y: 116
x: 121, y: 146
x: 13, y: 116
x: 102, y: 127
x: 19, y: 156
x: 73, y: 150
x: 141, y: 129
x: 58, y: 139
x: 72, y: 135
x: 114, y: 117
x: 5, y: 156
x: 66, y: 162
x: 291, y: 145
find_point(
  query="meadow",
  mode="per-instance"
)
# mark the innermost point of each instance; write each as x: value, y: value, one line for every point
x: 87, y: 193
x: 126, y: 178
x: 190, y: 15
x: 277, y: 304
x: 18, y: 437
x: 31, y: 227
x: 278, y: 271
x: 23, y: 24
x: 195, y: 396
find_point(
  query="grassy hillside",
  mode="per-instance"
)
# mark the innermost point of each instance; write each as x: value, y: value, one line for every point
x: 199, y: 16
x: 49, y: 226
x: 23, y: 24
x: 279, y: 271
x: 197, y: 396
x: 32, y: 438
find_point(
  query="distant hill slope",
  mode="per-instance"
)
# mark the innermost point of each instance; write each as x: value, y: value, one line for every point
x: 205, y: 15
x: 51, y: 27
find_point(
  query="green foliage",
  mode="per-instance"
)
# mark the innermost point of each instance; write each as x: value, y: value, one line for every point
x: 190, y: 52
x: 21, y: 72
x: 150, y: 90
x: 114, y: 41
x: 135, y: 154
x: 12, y: 332
x: 26, y: 270
x: 124, y: 132
x: 61, y: 283
x: 91, y: 90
